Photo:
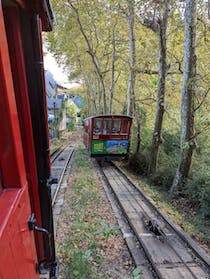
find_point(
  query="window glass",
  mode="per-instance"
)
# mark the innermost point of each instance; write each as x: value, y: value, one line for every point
x: 116, y: 126
x: 97, y: 126
x: 107, y: 126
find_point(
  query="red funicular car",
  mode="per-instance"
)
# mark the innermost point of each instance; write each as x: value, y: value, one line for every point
x: 107, y: 136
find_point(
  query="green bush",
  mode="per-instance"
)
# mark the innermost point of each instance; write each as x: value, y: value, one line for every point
x: 166, y: 168
x: 171, y: 142
x: 167, y: 158
x: 138, y: 163
x: 163, y: 179
x: 198, y: 190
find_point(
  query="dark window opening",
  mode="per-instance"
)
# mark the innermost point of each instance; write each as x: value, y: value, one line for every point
x: 124, y: 127
x: 97, y: 126
x: 107, y: 126
x: 116, y: 126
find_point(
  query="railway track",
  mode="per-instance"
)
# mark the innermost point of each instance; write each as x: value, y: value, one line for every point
x: 169, y: 251
x: 56, y: 153
x: 60, y: 170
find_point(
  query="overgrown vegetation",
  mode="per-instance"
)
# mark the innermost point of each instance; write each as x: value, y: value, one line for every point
x: 89, y: 233
x: 117, y: 75
x: 136, y: 274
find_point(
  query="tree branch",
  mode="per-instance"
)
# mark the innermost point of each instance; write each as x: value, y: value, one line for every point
x: 201, y: 103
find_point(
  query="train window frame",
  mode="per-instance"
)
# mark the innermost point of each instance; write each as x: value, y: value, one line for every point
x: 97, y: 129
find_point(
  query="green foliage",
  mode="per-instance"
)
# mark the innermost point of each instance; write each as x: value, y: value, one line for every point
x: 79, y: 266
x: 198, y: 190
x: 171, y: 142
x: 107, y: 231
x: 81, y: 245
x: 166, y: 167
x: 167, y: 160
x: 146, y: 135
x: 138, y: 164
x: 163, y: 178
x: 136, y: 274
x: 71, y: 114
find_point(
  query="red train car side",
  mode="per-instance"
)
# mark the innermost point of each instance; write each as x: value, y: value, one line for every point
x: 24, y: 142
x: 107, y: 136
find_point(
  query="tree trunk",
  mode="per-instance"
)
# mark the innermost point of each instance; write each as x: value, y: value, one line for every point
x: 187, y: 143
x: 138, y: 135
x: 113, y: 72
x: 131, y: 105
x: 132, y: 59
x: 160, y: 107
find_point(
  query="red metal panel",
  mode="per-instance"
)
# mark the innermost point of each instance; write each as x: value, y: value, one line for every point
x: 10, y: 144
x: 44, y: 90
x: 20, y: 85
x: 46, y: 14
x: 17, y: 257
x: 17, y: 245
x: 21, y: 3
x: 1, y: 188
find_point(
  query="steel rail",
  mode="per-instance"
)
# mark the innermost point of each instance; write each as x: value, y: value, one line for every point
x: 154, y: 209
x: 186, y: 238
x: 133, y: 228
x: 145, y: 214
x: 61, y: 177
x: 57, y: 153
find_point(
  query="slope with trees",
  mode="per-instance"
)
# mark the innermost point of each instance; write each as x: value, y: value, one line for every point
x: 141, y: 58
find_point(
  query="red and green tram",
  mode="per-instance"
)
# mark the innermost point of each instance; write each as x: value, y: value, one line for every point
x: 107, y: 136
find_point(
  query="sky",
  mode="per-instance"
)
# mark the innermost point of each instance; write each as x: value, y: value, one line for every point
x: 59, y: 73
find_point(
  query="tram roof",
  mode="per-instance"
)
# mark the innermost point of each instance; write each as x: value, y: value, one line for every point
x: 41, y: 7
x: 46, y: 13
x: 109, y: 116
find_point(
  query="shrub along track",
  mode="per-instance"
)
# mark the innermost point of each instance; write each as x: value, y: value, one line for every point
x: 171, y: 253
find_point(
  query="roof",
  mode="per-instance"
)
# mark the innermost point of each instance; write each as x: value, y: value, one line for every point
x: 109, y: 116
x: 54, y: 103
x: 41, y: 7
x: 51, y: 85
x: 46, y: 14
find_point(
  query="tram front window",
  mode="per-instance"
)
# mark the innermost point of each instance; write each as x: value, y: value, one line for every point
x: 116, y: 126
x: 107, y: 126
x: 124, y: 127
x: 97, y: 126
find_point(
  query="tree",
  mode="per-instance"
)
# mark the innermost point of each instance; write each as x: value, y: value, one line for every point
x: 187, y: 142
x: 132, y: 59
x: 112, y: 83
x: 156, y: 19
x: 90, y: 51
x: 159, y: 26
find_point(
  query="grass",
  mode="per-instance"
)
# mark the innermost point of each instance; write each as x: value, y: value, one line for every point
x: 81, y: 252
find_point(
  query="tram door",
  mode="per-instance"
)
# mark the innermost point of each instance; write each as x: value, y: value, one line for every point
x: 17, y: 244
